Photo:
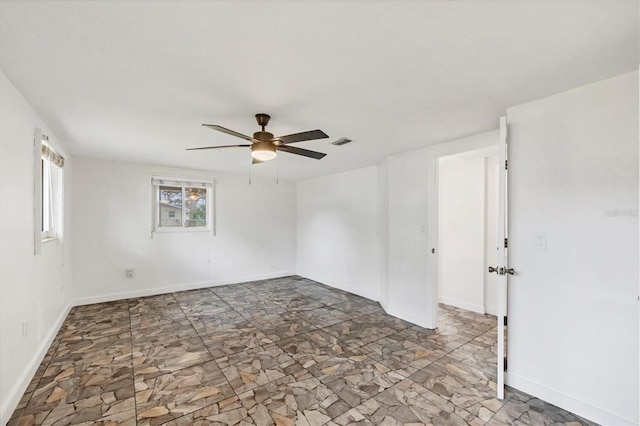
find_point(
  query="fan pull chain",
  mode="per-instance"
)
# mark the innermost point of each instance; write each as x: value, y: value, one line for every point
x: 250, y: 173
x: 277, y: 172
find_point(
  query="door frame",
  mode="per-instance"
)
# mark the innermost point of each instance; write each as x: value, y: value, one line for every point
x: 503, y: 253
x: 435, y: 152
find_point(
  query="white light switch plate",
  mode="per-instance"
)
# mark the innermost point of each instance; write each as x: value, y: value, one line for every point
x: 539, y: 240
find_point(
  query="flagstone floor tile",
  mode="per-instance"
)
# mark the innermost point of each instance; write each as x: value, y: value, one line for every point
x: 408, y: 403
x: 167, y: 397
x: 153, y: 304
x: 312, y: 348
x: 522, y: 409
x: 165, y: 332
x: 282, y: 352
x: 358, y: 307
x: 250, y: 369
x: 72, y: 400
x: 233, y: 341
x: 94, y: 350
x: 462, y: 384
x: 402, y: 356
x: 282, y: 326
x: 355, y: 377
x: 153, y: 358
x: 228, y: 412
x: 303, y: 401
x: 326, y: 316
x: 220, y: 322
x: 358, y: 332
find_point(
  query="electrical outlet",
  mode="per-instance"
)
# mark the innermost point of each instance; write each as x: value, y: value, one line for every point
x: 25, y: 324
x: 131, y: 273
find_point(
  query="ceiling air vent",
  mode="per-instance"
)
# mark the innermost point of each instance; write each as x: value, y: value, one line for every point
x: 341, y: 141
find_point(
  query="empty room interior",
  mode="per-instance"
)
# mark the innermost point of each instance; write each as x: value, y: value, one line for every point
x: 319, y: 213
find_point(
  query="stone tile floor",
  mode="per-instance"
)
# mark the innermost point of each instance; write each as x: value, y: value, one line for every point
x: 276, y: 352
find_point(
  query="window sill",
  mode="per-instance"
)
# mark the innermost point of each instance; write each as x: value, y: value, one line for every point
x: 179, y: 230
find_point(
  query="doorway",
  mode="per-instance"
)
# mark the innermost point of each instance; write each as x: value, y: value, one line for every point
x: 467, y: 229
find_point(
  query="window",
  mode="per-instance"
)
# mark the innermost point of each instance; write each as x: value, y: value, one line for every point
x: 48, y: 190
x: 182, y: 204
x: 52, y: 164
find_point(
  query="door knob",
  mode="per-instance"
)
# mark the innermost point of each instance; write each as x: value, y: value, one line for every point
x: 493, y: 269
x: 510, y: 271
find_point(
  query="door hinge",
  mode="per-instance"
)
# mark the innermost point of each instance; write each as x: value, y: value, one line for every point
x: 505, y: 320
x: 505, y: 363
x: 506, y: 243
x: 506, y: 164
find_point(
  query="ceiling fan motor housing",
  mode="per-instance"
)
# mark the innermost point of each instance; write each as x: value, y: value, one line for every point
x: 263, y: 136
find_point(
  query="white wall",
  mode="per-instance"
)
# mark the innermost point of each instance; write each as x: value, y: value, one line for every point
x: 255, y: 234
x: 338, y: 231
x: 32, y: 288
x: 408, y: 249
x: 461, y: 232
x: 412, y: 228
x: 383, y: 232
x: 367, y: 231
x: 573, y: 307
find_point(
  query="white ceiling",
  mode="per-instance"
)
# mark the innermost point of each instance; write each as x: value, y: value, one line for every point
x: 133, y: 81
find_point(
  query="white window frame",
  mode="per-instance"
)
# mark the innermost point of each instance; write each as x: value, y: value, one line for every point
x: 48, y: 193
x: 183, y: 182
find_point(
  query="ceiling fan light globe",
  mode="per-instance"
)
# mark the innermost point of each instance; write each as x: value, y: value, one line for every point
x: 263, y: 151
x: 263, y: 155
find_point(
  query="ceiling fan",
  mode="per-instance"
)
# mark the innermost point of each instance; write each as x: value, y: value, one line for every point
x: 264, y: 145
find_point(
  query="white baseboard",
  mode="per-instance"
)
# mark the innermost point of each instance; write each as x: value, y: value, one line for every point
x: 13, y: 399
x: 462, y: 305
x: 174, y: 288
x: 566, y: 402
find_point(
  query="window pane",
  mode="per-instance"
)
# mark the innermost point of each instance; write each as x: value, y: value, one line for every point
x: 44, y: 224
x: 195, y: 207
x: 47, y: 209
x: 170, y: 206
x: 55, y: 201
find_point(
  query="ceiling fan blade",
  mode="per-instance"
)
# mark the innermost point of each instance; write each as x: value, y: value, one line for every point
x: 301, y: 137
x: 216, y: 147
x: 300, y: 151
x: 228, y: 131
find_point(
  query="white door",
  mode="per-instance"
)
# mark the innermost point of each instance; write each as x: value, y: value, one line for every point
x: 502, y: 269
